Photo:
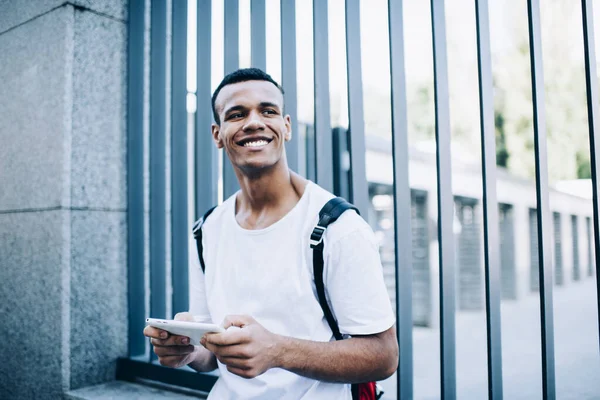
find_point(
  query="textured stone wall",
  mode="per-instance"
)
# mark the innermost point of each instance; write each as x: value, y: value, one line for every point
x: 62, y: 194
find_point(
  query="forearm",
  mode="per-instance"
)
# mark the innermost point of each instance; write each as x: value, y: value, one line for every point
x: 204, y: 360
x: 358, y: 359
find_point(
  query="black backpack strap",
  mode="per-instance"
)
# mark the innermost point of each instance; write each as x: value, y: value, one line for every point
x: 330, y: 212
x: 198, y: 235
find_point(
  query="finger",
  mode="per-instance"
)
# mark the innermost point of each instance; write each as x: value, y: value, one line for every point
x: 237, y: 320
x: 244, y: 373
x: 235, y: 351
x: 173, y: 340
x: 184, y: 316
x: 222, y: 339
x: 213, y: 348
x: 227, y: 338
x: 153, y: 332
x: 234, y: 363
x: 167, y: 351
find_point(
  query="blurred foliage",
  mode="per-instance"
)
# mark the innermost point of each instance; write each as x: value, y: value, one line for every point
x: 565, y: 108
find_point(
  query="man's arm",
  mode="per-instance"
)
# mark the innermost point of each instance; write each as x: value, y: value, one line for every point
x: 358, y: 359
x: 252, y: 350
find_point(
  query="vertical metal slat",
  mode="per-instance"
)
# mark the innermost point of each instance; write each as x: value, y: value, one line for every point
x: 490, y: 202
x: 592, y: 106
x: 359, y: 191
x: 543, y: 210
x: 445, y: 203
x: 206, y: 156
x: 289, y: 80
x: 232, y: 62
x: 323, y: 141
x: 402, y: 201
x: 135, y: 178
x: 179, y: 187
x: 158, y: 79
x: 258, y: 34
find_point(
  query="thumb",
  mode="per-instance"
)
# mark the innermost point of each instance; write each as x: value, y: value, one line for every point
x: 237, y: 320
x: 184, y: 316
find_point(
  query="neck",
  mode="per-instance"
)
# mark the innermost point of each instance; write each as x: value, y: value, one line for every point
x: 268, y: 189
x: 267, y: 196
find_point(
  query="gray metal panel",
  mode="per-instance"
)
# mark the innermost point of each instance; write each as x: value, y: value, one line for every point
x: 507, y: 252
x: 179, y: 184
x: 135, y: 178
x: 232, y: 35
x: 323, y: 141
x: 359, y: 192
x: 588, y: 233
x: 558, y: 253
x: 341, y: 170
x: 468, y: 255
x: 575, y: 242
x: 534, y: 264
x: 258, y: 34
x: 206, y: 155
x: 445, y: 203
x: 232, y: 61
x: 592, y: 103
x: 490, y: 202
x: 288, y: 78
x: 541, y: 171
x: 402, y: 202
x: 158, y: 79
x: 421, y: 266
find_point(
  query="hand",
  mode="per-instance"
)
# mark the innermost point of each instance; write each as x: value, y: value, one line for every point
x: 172, y: 350
x: 247, y: 352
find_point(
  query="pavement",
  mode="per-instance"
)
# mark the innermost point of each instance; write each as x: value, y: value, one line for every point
x: 576, y: 344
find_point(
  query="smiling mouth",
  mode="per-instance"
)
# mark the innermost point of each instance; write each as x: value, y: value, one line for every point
x: 254, y: 142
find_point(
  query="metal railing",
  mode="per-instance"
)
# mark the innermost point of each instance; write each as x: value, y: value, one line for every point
x: 206, y: 171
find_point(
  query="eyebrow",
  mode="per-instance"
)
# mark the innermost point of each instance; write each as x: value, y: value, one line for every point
x: 268, y: 104
x: 263, y: 104
x: 234, y: 108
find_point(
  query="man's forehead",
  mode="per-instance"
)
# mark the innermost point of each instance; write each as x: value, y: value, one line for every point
x: 248, y: 92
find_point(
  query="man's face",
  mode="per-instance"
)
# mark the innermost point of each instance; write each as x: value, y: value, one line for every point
x: 253, y: 128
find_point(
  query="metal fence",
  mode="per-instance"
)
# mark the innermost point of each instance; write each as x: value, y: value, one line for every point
x: 167, y: 54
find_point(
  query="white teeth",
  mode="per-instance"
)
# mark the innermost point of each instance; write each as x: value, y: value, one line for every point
x: 257, y: 143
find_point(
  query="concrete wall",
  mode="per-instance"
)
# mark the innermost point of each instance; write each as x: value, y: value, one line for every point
x: 62, y: 194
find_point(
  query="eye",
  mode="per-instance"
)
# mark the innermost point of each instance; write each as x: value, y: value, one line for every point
x: 269, y: 112
x: 235, y: 115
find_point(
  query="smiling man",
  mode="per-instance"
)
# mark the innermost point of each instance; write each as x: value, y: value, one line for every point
x: 259, y: 271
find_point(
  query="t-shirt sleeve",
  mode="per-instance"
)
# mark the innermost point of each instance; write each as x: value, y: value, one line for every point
x: 354, y: 282
x: 197, y: 289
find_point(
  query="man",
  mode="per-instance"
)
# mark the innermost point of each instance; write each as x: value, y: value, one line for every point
x: 259, y: 268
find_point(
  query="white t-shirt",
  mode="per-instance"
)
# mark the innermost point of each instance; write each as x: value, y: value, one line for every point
x: 268, y: 275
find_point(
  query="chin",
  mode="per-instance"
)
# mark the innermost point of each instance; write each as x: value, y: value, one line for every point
x: 257, y: 167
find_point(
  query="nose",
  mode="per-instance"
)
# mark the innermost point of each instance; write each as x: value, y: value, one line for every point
x: 254, y: 122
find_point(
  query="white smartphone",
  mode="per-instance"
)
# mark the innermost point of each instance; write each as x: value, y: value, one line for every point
x: 193, y: 330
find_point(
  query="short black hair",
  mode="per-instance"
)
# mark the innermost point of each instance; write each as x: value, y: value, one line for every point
x: 241, y: 75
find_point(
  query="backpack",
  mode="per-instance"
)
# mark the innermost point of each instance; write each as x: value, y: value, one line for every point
x: 330, y: 212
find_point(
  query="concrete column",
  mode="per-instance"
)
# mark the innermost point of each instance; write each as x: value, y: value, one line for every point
x: 62, y: 194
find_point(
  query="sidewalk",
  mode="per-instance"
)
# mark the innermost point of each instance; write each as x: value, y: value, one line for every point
x: 577, y: 350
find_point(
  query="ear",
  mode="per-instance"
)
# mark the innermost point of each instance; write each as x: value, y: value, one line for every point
x: 288, y: 126
x: 216, y: 130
